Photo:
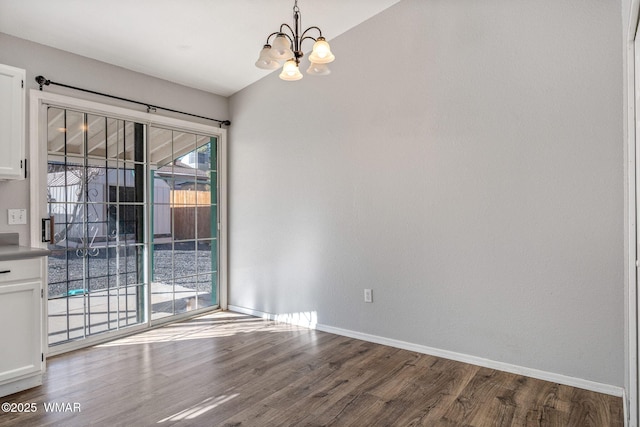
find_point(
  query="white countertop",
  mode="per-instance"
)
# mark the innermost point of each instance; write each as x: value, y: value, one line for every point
x: 13, y: 252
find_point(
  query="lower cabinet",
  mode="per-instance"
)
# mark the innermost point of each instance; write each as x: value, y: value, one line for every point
x: 21, y: 324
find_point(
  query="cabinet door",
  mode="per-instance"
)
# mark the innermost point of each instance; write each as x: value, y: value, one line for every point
x: 20, y: 329
x: 12, y: 127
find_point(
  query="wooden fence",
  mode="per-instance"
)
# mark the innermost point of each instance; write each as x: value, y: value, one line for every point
x: 188, y: 208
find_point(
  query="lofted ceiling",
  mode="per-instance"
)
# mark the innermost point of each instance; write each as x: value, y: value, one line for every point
x: 210, y: 45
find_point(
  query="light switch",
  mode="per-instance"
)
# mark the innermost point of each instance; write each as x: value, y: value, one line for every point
x: 17, y: 216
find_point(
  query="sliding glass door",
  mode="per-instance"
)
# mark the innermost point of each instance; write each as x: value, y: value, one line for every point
x: 185, y: 241
x: 135, y: 211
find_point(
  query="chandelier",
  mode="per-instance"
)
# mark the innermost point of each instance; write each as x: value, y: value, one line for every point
x: 287, y: 47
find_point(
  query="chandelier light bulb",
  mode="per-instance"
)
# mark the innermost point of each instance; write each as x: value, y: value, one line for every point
x: 290, y: 71
x: 281, y: 48
x: 318, y: 69
x: 265, y: 61
x: 321, y: 53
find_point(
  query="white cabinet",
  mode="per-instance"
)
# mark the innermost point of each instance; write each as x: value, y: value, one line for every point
x: 21, y: 324
x: 12, y: 125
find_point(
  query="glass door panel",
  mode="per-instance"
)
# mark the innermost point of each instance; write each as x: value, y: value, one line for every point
x: 184, y: 205
x: 95, y: 195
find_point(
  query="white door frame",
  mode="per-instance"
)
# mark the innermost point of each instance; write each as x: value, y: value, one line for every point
x: 632, y: 119
x: 38, y: 102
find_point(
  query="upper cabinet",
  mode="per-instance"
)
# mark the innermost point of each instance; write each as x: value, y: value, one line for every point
x: 12, y: 127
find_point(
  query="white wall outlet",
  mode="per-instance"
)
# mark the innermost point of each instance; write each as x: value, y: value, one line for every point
x: 368, y: 295
x: 17, y: 216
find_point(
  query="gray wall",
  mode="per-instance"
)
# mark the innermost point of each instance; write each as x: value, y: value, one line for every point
x: 464, y: 160
x: 74, y: 70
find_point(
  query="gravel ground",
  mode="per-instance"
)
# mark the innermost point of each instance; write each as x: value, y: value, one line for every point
x: 104, y: 268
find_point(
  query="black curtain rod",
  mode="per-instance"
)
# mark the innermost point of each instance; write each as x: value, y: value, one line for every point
x: 150, y: 107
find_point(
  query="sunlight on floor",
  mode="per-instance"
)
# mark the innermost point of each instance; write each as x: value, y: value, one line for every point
x: 219, y: 324
x: 199, y: 409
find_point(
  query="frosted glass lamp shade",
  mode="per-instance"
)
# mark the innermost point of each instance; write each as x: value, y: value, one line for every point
x: 290, y: 71
x: 318, y: 69
x: 281, y: 48
x: 321, y: 53
x: 265, y: 61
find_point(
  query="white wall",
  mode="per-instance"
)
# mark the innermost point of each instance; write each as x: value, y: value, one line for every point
x: 464, y: 160
x: 74, y: 70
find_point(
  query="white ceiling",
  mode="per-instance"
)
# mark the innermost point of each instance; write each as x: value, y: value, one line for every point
x: 206, y: 44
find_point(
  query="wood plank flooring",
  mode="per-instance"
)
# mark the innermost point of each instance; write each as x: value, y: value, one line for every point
x: 227, y: 369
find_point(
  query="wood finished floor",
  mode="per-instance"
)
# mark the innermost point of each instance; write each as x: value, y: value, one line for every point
x: 226, y: 369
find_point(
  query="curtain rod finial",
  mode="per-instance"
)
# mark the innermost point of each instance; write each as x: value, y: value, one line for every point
x: 42, y: 81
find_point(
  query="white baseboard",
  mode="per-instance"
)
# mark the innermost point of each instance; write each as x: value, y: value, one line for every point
x: 309, y: 322
x: 32, y: 380
x: 625, y: 408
